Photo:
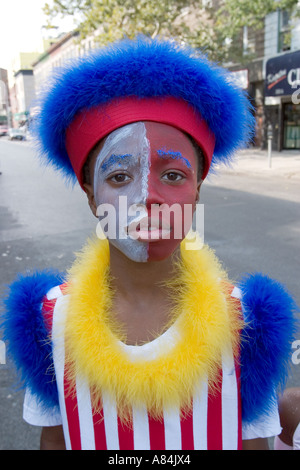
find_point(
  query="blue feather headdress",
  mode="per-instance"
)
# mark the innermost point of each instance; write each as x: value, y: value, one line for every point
x: 143, y: 68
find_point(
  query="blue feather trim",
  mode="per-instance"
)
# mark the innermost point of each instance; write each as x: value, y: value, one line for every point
x: 269, y: 312
x: 143, y: 68
x: 27, y: 337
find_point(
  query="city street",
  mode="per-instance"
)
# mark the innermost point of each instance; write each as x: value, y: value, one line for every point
x: 251, y: 220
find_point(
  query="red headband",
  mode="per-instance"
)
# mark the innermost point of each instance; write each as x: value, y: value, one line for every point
x: 93, y: 124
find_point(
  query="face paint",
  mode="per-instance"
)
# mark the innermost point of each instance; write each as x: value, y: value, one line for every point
x: 151, y: 168
x: 164, y: 153
x: 172, y: 184
x: 124, y: 156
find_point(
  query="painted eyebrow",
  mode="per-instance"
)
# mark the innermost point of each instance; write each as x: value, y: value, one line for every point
x: 175, y: 155
x: 113, y: 159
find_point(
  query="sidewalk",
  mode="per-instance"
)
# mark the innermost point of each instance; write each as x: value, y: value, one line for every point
x: 285, y: 164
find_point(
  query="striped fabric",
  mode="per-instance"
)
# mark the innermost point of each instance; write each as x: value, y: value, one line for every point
x: 213, y: 423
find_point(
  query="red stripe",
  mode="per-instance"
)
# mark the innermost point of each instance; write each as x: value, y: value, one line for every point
x: 238, y: 378
x: 125, y: 435
x: 47, y: 312
x: 48, y: 307
x: 72, y: 415
x: 214, y: 418
x: 157, y: 434
x: 64, y: 288
x: 187, y: 434
x: 99, y: 431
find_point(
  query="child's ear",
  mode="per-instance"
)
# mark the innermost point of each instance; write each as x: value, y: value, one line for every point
x: 91, y: 198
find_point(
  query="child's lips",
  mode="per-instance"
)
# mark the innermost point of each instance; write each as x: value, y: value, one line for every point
x: 153, y: 234
x: 149, y: 230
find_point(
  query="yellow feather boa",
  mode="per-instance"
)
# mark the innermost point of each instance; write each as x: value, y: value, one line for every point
x: 207, y: 320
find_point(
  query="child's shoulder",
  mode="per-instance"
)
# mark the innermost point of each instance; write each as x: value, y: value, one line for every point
x: 25, y: 300
x: 32, y: 286
x: 266, y: 342
x: 26, y: 330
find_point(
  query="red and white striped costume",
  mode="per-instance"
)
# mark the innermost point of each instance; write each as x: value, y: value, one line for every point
x: 213, y: 423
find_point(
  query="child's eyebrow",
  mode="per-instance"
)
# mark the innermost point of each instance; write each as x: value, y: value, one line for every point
x: 175, y: 155
x: 113, y: 159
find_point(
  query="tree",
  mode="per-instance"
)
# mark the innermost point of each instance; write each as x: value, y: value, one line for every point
x: 212, y: 25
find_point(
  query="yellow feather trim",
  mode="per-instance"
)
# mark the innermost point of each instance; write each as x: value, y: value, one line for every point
x: 206, y: 318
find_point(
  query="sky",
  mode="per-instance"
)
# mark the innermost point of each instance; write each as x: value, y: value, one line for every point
x: 21, y: 24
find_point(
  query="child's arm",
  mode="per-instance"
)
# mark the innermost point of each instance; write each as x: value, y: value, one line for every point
x: 52, y: 438
x: 256, y: 444
x: 266, y: 347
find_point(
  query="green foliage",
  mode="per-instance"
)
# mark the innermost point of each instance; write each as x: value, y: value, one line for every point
x: 215, y: 29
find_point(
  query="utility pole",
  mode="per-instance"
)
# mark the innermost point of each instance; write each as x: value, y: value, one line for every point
x: 270, y: 140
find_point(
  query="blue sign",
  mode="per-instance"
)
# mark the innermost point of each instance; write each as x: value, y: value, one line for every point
x: 283, y: 74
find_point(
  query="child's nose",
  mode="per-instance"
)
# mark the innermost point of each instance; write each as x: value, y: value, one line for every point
x: 155, y: 196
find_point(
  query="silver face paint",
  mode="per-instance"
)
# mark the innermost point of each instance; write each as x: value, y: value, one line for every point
x: 125, y: 151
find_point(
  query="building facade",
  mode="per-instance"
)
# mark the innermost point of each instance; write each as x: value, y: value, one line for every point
x: 66, y: 48
x: 270, y: 73
x: 282, y: 79
x: 21, y: 88
x: 4, y: 98
x: 273, y: 77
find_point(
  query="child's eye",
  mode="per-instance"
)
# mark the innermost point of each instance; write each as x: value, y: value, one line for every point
x: 173, y: 176
x: 119, y: 178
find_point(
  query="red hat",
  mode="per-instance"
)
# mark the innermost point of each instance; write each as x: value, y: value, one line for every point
x: 140, y: 80
x: 92, y: 125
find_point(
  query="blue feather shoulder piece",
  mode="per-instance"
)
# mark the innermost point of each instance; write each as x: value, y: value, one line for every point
x: 26, y: 334
x: 266, y: 347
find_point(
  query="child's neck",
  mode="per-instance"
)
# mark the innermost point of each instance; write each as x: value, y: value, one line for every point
x: 141, y: 304
x: 131, y: 276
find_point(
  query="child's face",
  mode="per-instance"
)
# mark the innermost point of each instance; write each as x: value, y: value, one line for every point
x: 146, y: 189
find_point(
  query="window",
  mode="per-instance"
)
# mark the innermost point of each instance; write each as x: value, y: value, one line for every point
x: 291, y: 133
x: 284, y: 31
x: 248, y: 41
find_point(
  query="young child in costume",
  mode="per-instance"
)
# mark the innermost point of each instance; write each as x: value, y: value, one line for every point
x: 145, y: 344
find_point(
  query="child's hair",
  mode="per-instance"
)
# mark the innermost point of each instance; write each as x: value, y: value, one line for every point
x: 200, y: 160
x: 86, y: 167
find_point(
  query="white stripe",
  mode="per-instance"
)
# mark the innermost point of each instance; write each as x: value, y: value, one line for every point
x: 110, y: 423
x: 237, y: 293
x: 200, y: 417
x: 172, y: 429
x: 59, y: 360
x: 141, y: 434
x: 229, y: 405
x: 85, y: 413
x: 54, y: 293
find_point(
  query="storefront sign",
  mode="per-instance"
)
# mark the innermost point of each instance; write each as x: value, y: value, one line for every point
x: 283, y: 74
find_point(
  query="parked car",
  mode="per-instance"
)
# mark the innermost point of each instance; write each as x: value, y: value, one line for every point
x: 3, y: 129
x: 17, y: 134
